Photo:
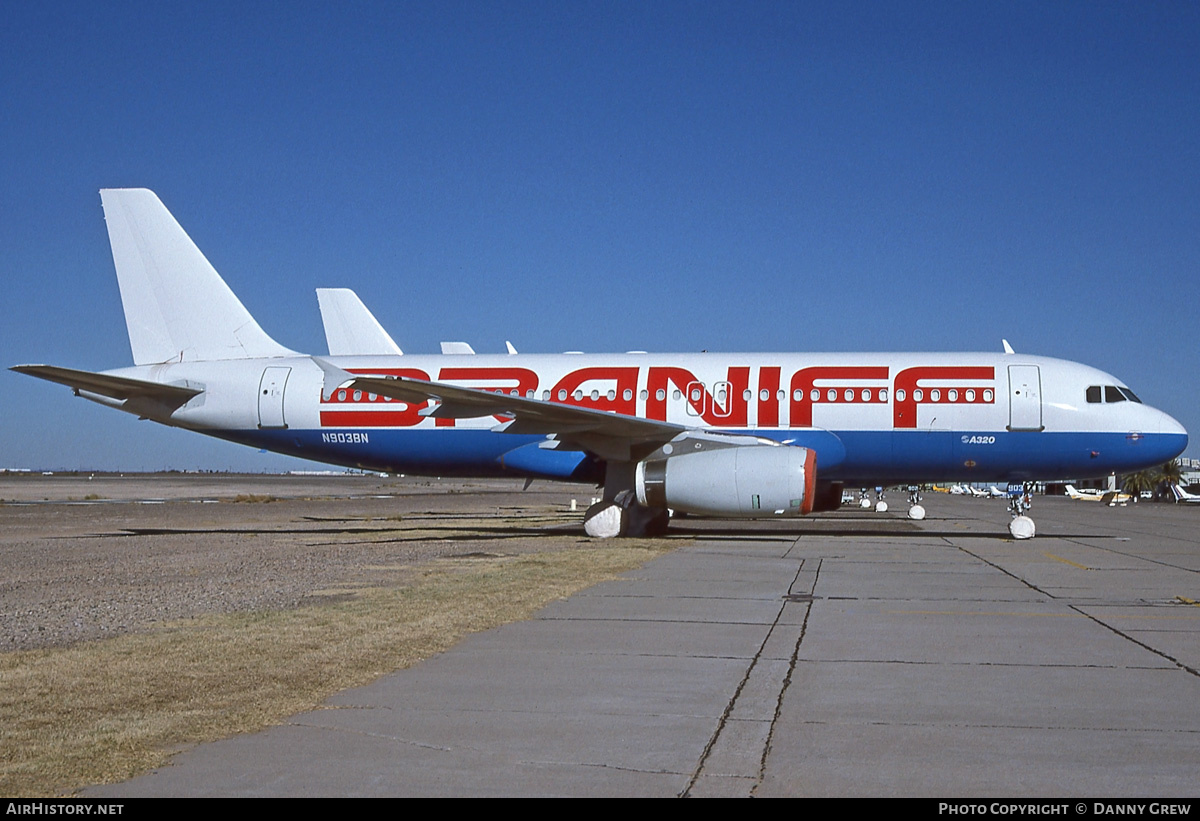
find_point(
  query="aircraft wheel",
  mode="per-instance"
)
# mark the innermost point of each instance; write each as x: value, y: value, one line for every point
x: 916, y: 512
x: 865, y: 504
x: 881, y: 507
x: 603, y: 520
x: 1021, y: 527
x: 623, y: 516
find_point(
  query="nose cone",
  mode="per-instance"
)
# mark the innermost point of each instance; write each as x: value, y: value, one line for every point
x: 1167, y: 424
x: 1170, y: 437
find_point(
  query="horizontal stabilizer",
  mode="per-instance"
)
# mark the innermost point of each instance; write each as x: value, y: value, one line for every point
x: 449, y: 348
x: 114, y: 387
x: 350, y: 328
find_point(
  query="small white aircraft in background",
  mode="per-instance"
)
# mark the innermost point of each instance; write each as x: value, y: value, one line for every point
x: 1109, y: 497
x: 1182, y: 495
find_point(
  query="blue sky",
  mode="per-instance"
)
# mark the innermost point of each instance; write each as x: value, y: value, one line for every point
x: 608, y: 176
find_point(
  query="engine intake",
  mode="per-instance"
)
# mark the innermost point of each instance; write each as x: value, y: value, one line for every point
x: 751, y: 480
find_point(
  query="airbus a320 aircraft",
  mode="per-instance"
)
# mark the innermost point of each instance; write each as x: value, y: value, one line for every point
x: 735, y: 435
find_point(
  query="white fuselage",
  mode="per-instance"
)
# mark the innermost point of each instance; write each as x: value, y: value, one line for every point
x: 869, y: 417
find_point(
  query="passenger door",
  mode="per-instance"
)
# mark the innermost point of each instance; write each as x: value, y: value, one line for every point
x: 1024, y: 397
x: 270, y: 398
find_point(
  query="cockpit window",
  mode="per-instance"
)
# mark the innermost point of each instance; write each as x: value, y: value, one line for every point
x: 1111, y: 393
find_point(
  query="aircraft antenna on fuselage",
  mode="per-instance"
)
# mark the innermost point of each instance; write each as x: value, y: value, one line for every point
x: 177, y: 307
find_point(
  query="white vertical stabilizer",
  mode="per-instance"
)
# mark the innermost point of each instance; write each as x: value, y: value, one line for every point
x: 177, y: 307
x: 350, y: 328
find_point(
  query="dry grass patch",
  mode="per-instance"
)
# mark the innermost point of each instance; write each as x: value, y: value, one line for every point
x: 104, y: 711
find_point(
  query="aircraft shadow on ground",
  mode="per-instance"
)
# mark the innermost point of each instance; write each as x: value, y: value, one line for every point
x: 720, y: 532
x: 676, y: 531
x: 423, y: 533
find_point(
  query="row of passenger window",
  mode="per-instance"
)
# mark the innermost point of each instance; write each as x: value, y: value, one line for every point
x: 1110, y: 393
x: 815, y: 395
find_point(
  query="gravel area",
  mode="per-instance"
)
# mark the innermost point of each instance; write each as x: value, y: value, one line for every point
x: 87, y: 557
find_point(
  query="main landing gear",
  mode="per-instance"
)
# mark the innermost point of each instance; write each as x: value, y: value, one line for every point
x: 880, y: 505
x: 864, y: 500
x: 623, y: 516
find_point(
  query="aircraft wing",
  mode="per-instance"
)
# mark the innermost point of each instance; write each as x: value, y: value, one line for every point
x: 608, y: 435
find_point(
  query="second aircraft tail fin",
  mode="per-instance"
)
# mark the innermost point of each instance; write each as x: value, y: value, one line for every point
x: 350, y: 328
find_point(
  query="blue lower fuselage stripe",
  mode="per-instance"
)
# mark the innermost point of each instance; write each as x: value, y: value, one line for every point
x: 854, y: 457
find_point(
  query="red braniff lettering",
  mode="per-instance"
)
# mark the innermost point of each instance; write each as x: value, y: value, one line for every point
x: 733, y: 412
x: 606, y: 389
x: 957, y: 385
x: 347, y: 408
x: 834, y: 388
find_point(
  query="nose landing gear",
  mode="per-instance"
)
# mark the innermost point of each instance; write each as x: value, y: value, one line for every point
x: 1020, y: 501
x: 915, y: 510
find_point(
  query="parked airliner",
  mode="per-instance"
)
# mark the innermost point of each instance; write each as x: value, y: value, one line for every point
x: 736, y: 435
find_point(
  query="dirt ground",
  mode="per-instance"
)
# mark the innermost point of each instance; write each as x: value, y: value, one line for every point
x: 85, y: 557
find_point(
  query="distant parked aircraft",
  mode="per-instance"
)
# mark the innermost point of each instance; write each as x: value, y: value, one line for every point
x: 1182, y: 495
x: 1107, y: 496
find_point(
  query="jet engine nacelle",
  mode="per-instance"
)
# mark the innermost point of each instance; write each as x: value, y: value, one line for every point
x: 750, y: 480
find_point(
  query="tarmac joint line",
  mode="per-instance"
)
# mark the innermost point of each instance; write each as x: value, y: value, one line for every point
x: 1141, y: 644
x: 734, y: 760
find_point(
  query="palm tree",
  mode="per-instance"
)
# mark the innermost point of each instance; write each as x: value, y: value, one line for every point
x: 1170, y: 474
x: 1135, y: 483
